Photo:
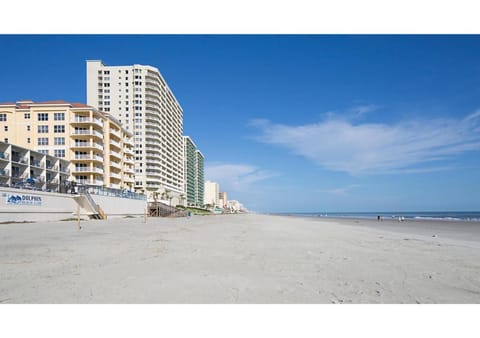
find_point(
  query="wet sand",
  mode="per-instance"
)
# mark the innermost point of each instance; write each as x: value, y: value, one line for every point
x: 240, y: 259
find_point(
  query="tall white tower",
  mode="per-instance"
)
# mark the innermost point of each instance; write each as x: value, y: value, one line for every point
x: 141, y: 100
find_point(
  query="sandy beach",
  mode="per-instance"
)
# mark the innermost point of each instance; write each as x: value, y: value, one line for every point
x: 240, y: 259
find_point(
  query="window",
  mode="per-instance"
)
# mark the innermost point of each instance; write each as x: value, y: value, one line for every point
x: 106, y: 103
x: 43, y: 141
x: 106, y: 72
x: 59, y: 153
x: 59, y: 129
x: 3, y: 117
x: 43, y: 116
x: 28, y: 139
x: 59, y: 141
x: 59, y: 116
x: 106, y: 84
x: 107, y: 109
x: 5, y: 128
x: 42, y: 129
x: 28, y: 128
x: 43, y: 151
x: 26, y: 116
x: 6, y: 140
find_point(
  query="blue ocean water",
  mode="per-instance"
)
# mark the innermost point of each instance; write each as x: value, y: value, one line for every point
x: 465, y: 216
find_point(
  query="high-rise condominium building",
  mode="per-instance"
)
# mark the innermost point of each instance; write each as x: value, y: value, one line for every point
x: 211, y: 194
x: 200, y: 179
x: 100, y: 150
x: 222, y: 199
x: 141, y: 100
x: 193, y: 176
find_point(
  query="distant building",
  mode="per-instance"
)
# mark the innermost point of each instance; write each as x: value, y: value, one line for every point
x: 235, y: 206
x: 199, y: 178
x: 100, y: 150
x: 141, y: 100
x: 193, y: 173
x: 211, y: 194
x: 24, y: 168
x: 222, y: 199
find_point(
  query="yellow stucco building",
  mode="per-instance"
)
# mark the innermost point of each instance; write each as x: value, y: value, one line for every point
x: 100, y: 150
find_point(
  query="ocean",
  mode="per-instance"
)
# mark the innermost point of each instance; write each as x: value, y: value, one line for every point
x: 461, y: 216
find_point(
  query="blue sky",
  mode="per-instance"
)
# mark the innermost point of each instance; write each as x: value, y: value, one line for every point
x: 298, y: 123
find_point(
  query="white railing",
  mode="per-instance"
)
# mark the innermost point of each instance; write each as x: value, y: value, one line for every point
x: 115, y: 175
x: 115, y: 143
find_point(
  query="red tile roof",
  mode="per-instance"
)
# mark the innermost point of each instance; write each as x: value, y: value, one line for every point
x: 52, y: 102
x: 80, y: 105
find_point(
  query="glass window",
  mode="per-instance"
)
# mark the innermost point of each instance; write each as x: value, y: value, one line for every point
x: 43, y: 116
x: 59, y: 153
x: 3, y: 117
x: 59, y: 129
x: 26, y: 116
x: 59, y: 116
x: 42, y: 129
x: 43, y: 141
x: 59, y: 141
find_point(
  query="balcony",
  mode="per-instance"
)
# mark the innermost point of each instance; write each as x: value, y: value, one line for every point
x: 115, y: 175
x: 116, y: 133
x: 19, y: 159
x: 88, y: 157
x: 85, y: 145
x: 115, y: 154
x: 89, y: 182
x: 4, y: 172
x: 115, y: 164
x: 115, y: 143
x: 36, y: 163
x: 86, y: 120
x: 86, y: 132
x: 4, y: 156
x: 87, y: 170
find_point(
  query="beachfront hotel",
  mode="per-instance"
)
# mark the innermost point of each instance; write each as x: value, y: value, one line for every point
x: 211, y: 194
x: 100, y: 150
x: 141, y: 100
x: 222, y: 199
x: 193, y: 173
x: 20, y: 165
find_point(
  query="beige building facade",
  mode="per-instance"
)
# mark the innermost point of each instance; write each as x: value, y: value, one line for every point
x: 140, y: 99
x: 211, y: 194
x: 100, y: 150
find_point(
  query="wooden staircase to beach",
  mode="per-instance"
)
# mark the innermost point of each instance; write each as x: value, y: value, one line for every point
x: 86, y: 201
x: 159, y: 209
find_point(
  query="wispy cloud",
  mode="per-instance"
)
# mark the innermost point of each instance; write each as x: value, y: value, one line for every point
x: 339, y: 144
x: 236, y: 177
x: 342, y: 191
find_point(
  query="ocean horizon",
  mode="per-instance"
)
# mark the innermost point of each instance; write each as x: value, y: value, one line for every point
x: 461, y: 216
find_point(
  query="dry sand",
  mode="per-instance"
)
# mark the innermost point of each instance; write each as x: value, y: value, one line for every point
x: 240, y: 259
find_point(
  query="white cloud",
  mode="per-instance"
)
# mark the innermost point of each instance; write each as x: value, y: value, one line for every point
x: 371, y: 148
x: 236, y: 177
x: 340, y: 191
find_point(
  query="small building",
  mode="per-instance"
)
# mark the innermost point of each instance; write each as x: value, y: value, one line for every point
x: 24, y: 168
